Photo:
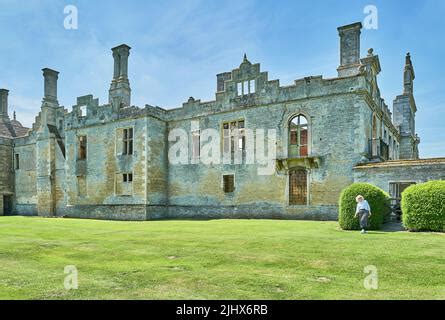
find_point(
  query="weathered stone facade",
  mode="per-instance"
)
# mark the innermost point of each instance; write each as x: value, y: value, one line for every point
x: 113, y: 161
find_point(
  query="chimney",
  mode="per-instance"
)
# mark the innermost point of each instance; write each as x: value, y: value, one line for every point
x: 120, y: 91
x: 349, y: 49
x: 120, y: 55
x: 50, y: 85
x: 4, y: 104
x: 221, y: 79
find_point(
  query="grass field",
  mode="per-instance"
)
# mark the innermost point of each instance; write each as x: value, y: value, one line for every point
x: 219, y: 259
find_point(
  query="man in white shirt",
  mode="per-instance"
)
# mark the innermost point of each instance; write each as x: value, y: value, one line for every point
x: 363, y: 211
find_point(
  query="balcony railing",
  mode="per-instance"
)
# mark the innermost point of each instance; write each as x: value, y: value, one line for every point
x: 378, y: 149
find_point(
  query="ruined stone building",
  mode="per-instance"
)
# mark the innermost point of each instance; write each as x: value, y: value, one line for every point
x: 112, y: 160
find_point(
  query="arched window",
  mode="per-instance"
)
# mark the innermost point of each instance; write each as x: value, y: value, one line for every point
x: 298, y: 187
x: 298, y: 137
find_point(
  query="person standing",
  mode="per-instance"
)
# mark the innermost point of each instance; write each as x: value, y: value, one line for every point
x: 363, y: 211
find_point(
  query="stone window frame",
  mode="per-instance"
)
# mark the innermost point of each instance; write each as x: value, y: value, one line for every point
x: 308, y: 187
x: 16, y: 161
x: 82, y: 155
x: 241, y: 137
x: 286, y: 135
x: 195, y: 153
x: 245, y: 87
x: 224, y: 180
x: 128, y: 141
x: 125, y: 180
x: 79, y: 193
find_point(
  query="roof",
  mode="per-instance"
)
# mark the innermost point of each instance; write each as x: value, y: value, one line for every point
x: 12, y: 129
x: 400, y: 163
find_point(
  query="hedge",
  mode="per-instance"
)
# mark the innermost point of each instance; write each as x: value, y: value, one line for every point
x: 378, y: 201
x: 423, y: 206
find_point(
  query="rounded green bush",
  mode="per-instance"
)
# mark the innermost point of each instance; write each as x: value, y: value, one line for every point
x: 378, y: 201
x: 423, y: 206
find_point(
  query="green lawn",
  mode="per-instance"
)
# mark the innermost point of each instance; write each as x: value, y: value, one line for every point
x: 219, y: 259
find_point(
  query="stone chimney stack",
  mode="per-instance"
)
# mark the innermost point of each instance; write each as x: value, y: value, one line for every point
x: 349, y: 49
x: 120, y: 91
x: 50, y: 85
x: 4, y: 104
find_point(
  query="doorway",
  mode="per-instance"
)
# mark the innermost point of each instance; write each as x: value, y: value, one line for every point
x: 7, y: 205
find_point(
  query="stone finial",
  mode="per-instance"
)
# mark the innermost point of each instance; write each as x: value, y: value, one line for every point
x: 408, y: 75
x: 14, y: 116
x: 370, y: 52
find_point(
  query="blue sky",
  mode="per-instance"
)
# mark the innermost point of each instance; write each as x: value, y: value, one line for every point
x: 178, y: 47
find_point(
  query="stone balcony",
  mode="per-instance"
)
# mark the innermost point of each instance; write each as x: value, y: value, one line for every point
x: 307, y: 162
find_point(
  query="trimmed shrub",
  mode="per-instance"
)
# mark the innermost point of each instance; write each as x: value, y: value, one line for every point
x: 378, y: 201
x: 423, y: 206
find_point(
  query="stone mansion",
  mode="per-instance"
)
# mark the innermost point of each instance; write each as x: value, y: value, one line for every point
x: 111, y: 160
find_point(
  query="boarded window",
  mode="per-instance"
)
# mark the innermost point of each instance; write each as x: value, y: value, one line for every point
x: 82, y: 148
x: 298, y: 187
x: 124, y: 184
x: 229, y: 183
x: 127, y: 141
x: 298, y: 137
x: 17, y: 161
x: 82, y: 186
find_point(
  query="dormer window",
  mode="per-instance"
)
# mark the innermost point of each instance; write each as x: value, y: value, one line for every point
x: 245, y: 87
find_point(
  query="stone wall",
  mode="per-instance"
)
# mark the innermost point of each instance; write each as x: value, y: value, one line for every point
x: 6, y: 170
x: 418, y: 171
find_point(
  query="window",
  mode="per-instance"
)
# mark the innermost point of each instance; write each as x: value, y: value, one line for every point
x: 396, y: 188
x: 228, y: 183
x: 82, y: 150
x: 239, y: 89
x: 127, y: 177
x: 124, y: 184
x: 196, y: 140
x: 245, y: 87
x: 298, y: 137
x: 127, y: 145
x: 234, y: 139
x: 298, y: 187
x: 60, y: 125
x: 252, y: 86
x: 17, y: 161
x: 83, y: 111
